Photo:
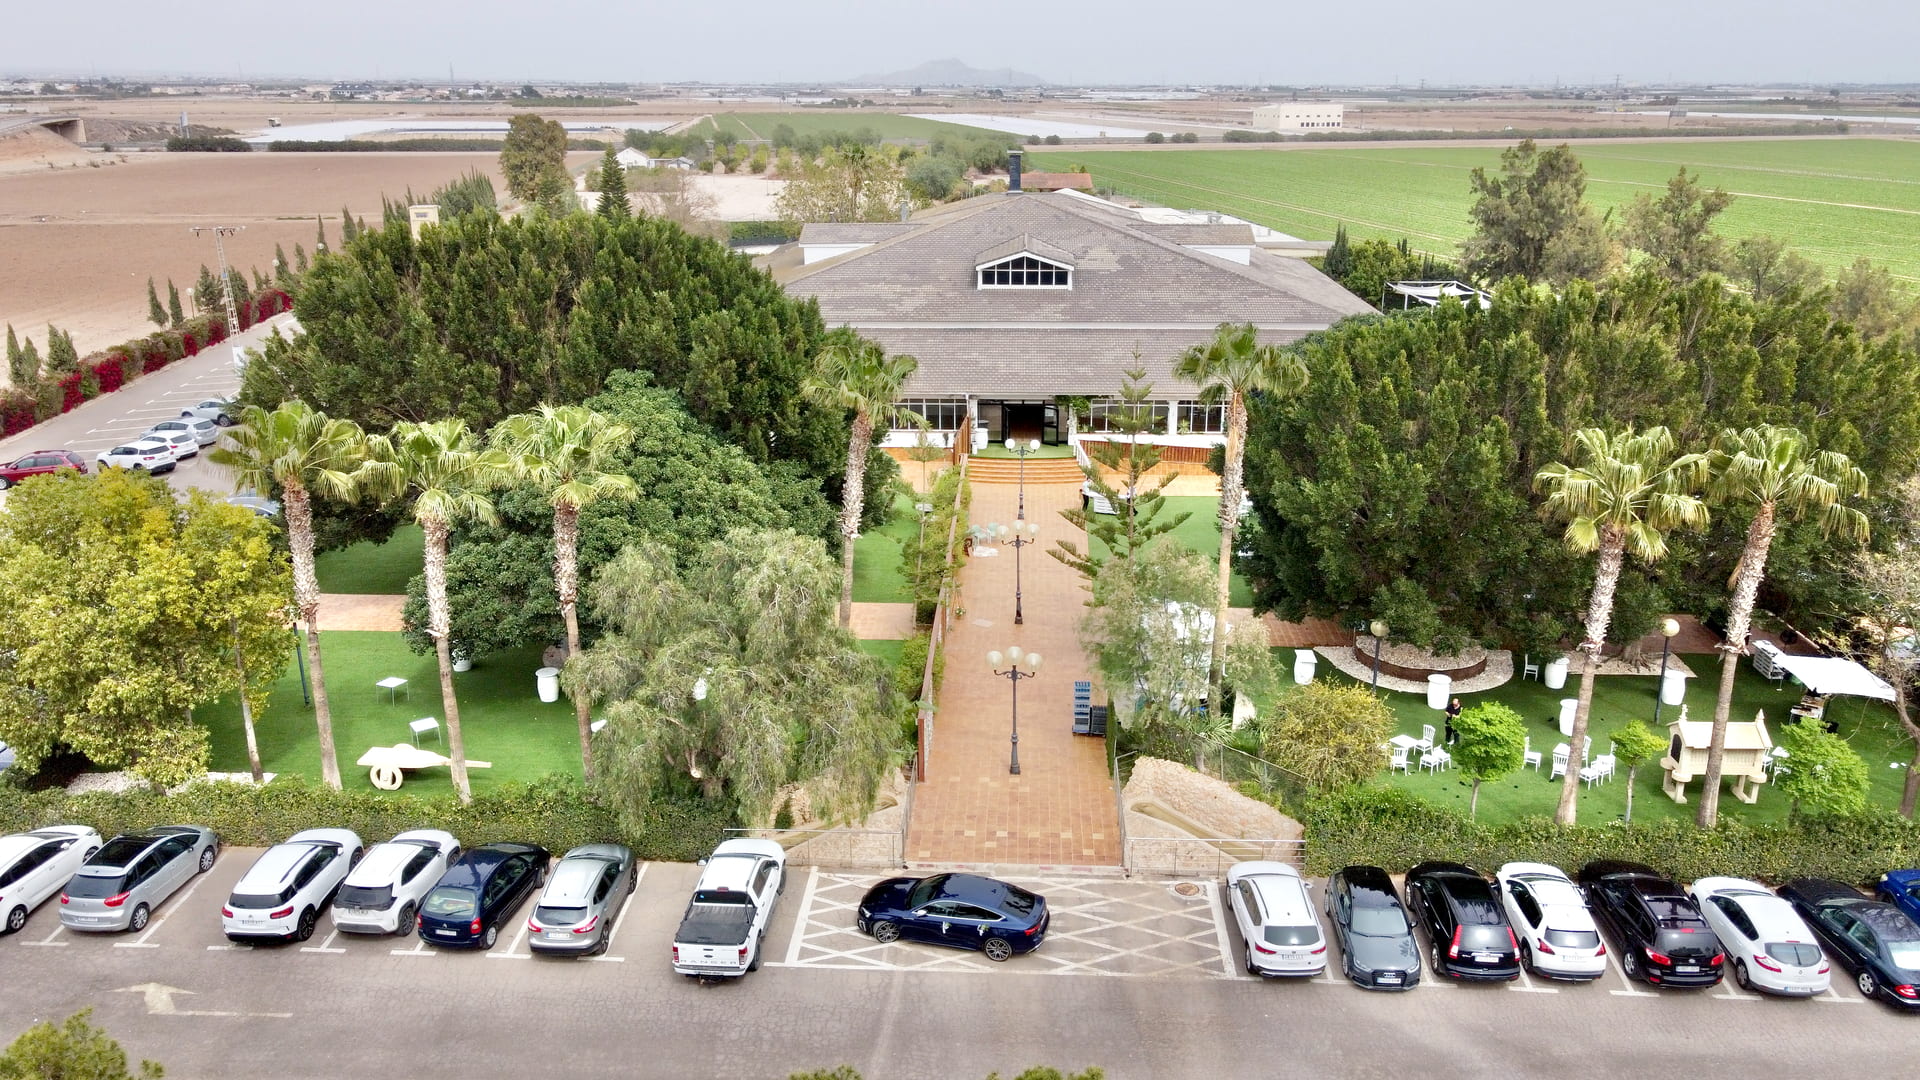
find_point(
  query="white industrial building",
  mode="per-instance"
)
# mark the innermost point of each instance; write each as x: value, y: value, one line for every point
x: 1300, y: 116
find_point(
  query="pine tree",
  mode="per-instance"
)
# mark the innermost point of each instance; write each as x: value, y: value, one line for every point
x: 613, y: 187
x: 175, y: 316
x: 23, y: 363
x: 13, y: 354
x: 62, y: 357
x: 348, y: 227
x: 320, y: 244
x: 208, y: 295
x: 1339, y: 257
x: 282, y: 271
x: 299, y: 259
x: 155, y: 313
x: 242, y: 300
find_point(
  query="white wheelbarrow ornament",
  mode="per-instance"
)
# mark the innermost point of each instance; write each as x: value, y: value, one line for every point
x: 386, y: 764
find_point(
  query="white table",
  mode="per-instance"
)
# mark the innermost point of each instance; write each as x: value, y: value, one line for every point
x: 392, y: 684
x: 422, y: 726
x: 1406, y: 741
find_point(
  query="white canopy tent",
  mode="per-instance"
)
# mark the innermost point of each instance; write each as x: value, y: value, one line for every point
x: 1828, y: 675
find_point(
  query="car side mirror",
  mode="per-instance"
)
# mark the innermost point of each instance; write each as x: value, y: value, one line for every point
x: 702, y: 861
x: 921, y: 914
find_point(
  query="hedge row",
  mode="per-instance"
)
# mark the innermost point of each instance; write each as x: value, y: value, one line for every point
x: 557, y: 813
x: 1395, y: 829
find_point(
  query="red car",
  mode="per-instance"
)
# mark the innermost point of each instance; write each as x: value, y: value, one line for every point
x: 40, y: 461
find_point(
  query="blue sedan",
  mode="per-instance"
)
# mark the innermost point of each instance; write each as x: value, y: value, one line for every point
x: 1901, y: 888
x: 960, y: 911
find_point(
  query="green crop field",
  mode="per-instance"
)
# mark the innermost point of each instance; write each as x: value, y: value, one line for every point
x: 1834, y: 200
x: 887, y: 125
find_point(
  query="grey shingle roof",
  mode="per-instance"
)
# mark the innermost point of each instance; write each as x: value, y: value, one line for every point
x: 852, y: 232
x: 1219, y: 233
x: 1028, y: 243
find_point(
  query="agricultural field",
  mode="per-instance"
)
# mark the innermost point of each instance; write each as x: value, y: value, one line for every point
x: 1833, y: 199
x: 760, y: 126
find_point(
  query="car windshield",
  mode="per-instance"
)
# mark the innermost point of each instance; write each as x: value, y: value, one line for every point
x: 925, y: 890
x: 1573, y: 939
x: 1485, y: 938
x: 1379, y: 922
x: 1794, y: 953
x: 89, y: 887
x: 559, y: 916
x: 450, y: 902
x: 1905, y: 954
x: 255, y: 902
x: 1292, y: 935
x: 1019, y: 901
x: 121, y: 850
x: 376, y: 897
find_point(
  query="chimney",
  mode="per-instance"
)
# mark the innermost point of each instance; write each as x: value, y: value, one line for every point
x: 1013, y: 171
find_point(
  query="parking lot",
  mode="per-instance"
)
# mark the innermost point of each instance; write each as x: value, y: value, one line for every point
x: 1139, y: 977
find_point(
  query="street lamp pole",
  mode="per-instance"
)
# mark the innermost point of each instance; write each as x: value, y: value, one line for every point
x: 1023, y: 449
x: 1014, y: 660
x: 1022, y: 534
x: 1668, y: 628
x: 1379, y: 629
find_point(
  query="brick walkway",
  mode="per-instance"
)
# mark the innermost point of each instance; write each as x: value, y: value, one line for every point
x: 882, y: 622
x: 1060, y: 810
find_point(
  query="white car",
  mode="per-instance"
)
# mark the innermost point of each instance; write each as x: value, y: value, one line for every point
x: 34, y: 866
x: 1558, y: 938
x: 182, y: 443
x: 383, y: 893
x: 1275, y: 915
x: 204, y: 432
x: 149, y: 455
x: 1771, y: 947
x: 219, y: 410
x: 282, y: 894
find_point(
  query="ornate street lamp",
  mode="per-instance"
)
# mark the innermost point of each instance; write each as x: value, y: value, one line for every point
x: 1668, y: 628
x: 1014, y: 660
x: 1022, y: 534
x: 1379, y: 630
x: 1023, y: 449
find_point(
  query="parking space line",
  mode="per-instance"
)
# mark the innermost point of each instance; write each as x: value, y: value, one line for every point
x: 231, y: 946
x: 1630, y: 991
x: 1220, y: 931
x: 620, y: 919
x: 1524, y: 984
x: 510, y: 954
x: 1833, y: 996
x: 178, y: 903
x: 48, y: 942
x: 325, y: 946
x: 806, y: 912
x: 419, y: 949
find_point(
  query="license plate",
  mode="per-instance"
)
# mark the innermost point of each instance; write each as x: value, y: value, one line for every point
x: 558, y: 935
x: 355, y: 913
x: 1487, y: 957
x: 1389, y: 978
x: 1686, y: 969
x: 447, y: 933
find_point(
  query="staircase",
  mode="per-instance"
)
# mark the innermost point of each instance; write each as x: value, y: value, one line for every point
x: 1039, y: 471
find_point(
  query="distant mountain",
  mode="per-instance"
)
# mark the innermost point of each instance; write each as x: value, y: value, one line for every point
x: 952, y: 73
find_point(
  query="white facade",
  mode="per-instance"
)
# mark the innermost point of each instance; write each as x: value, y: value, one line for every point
x: 1301, y: 116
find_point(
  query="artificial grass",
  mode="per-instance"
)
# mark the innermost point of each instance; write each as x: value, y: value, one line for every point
x: 503, y: 720
x: 372, y: 569
x: 999, y: 451
x: 888, y: 652
x: 1870, y: 727
x: 876, y: 557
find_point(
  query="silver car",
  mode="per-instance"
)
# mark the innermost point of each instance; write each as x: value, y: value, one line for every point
x: 131, y: 875
x: 204, y: 432
x: 575, y: 915
x: 219, y: 410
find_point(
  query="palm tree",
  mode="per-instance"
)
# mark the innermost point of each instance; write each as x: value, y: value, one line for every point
x: 441, y: 468
x: 1773, y: 470
x: 1629, y: 492
x: 1227, y: 369
x: 857, y: 375
x: 567, y: 451
x: 302, y: 453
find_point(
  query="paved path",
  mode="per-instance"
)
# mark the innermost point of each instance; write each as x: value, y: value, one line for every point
x: 883, y: 622
x: 1060, y: 810
x: 360, y: 611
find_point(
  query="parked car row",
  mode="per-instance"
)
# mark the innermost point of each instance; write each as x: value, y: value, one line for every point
x: 156, y: 450
x: 1533, y: 916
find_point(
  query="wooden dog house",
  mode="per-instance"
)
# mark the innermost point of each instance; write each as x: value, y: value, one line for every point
x: 1744, y: 760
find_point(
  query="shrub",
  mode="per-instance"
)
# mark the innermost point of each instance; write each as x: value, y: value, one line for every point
x: 1394, y: 828
x: 1155, y: 137
x: 17, y: 411
x: 71, y: 391
x: 221, y: 144
x: 913, y: 667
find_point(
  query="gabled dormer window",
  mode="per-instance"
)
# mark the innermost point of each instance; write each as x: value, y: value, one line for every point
x: 1025, y: 271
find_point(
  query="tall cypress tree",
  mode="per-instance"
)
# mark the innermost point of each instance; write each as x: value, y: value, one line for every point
x: 348, y: 228
x: 156, y: 314
x: 613, y: 187
x: 174, y: 314
x: 62, y: 357
x: 23, y: 363
x: 299, y: 259
x: 320, y: 243
x: 1339, y: 257
x: 282, y: 270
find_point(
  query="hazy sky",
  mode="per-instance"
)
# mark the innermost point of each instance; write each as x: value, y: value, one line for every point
x: 1063, y: 41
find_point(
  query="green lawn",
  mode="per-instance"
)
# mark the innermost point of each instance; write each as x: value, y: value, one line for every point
x: 876, y: 558
x: 887, y: 651
x: 760, y: 126
x: 1201, y: 532
x: 1833, y: 199
x: 503, y: 720
x: 380, y: 569
x: 1870, y: 727
x: 1000, y: 451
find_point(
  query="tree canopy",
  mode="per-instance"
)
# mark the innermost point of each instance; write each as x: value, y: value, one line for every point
x: 1329, y: 735
x: 1676, y: 230
x: 72, y: 1050
x: 534, y: 151
x: 1533, y: 221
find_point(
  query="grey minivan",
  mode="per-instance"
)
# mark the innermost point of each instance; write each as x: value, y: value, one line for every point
x: 131, y: 875
x: 575, y: 915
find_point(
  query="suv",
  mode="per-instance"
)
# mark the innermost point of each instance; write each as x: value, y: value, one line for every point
x: 382, y: 894
x: 38, y: 462
x: 1558, y: 938
x: 575, y: 915
x: 118, y: 888
x: 1659, y: 931
x: 1275, y: 918
x: 281, y: 895
x: 1470, y: 935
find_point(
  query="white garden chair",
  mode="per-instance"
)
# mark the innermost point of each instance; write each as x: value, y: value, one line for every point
x: 1399, y: 759
x: 1528, y: 755
x: 1426, y: 737
x: 1435, y: 759
x: 1560, y: 753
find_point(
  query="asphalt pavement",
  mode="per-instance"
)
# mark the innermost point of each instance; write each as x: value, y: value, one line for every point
x: 1138, y: 977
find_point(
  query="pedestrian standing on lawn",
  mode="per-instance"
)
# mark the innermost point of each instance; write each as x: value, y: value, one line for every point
x: 1453, y: 712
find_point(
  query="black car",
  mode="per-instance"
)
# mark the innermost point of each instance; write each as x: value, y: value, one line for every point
x: 1874, y: 940
x: 479, y: 893
x: 1377, y: 948
x: 1469, y: 932
x: 1658, y: 931
x: 961, y: 911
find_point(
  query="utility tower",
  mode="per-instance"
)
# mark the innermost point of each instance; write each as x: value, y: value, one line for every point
x: 220, y: 234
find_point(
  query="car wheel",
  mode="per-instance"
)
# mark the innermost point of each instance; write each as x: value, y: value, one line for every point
x: 998, y: 950
x: 404, y: 924
x: 303, y: 930
x: 633, y: 882
x: 1526, y: 955
x: 1740, y: 975
x: 488, y: 939
x: 1251, y: 968
x: 138, y: 920
x: 16, y: 919
x: 1629, y: 963
x: 5, y: 483
x: 223, y: 420
x: 886, y: 932
x: 206, y: 859
x: 752, y: 965
x: 355, y: 860
x: 1869, y: 986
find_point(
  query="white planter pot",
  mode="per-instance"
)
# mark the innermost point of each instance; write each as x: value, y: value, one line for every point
x: 547, y: 682
x: 1555, y: 674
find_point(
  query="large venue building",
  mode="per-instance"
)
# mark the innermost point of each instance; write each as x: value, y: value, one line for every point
x: 1012, y: 301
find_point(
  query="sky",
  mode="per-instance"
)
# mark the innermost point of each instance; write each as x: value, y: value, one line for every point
x: 1073, y: 42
